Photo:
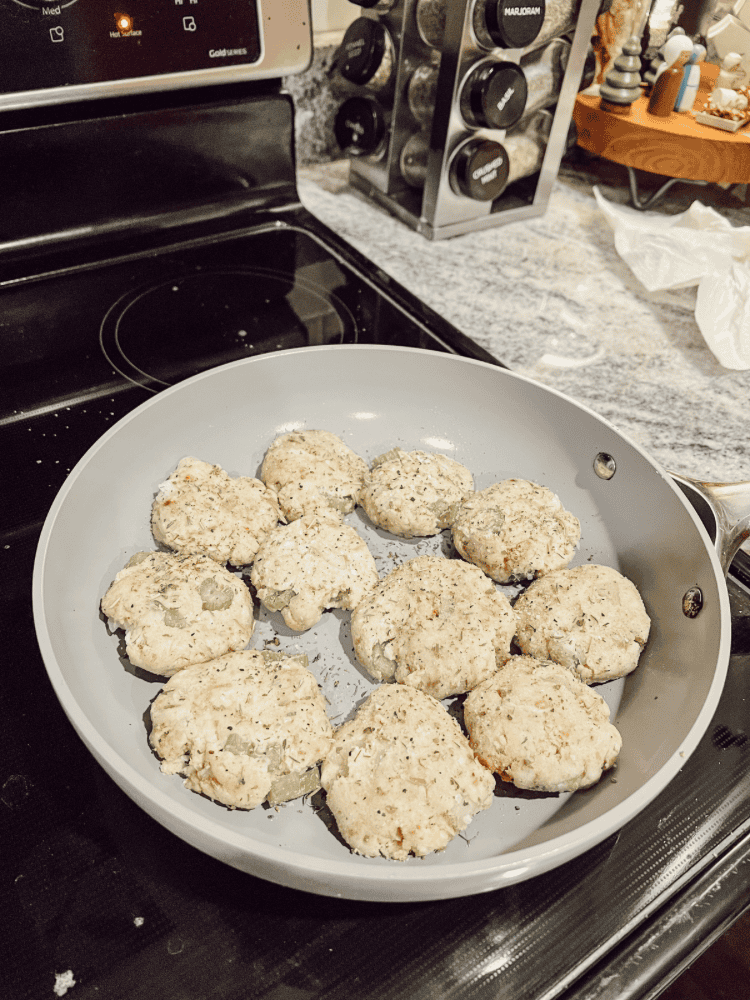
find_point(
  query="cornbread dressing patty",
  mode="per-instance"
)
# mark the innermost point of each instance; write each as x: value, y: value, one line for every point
x: 244, y: 728
x: 435, y: 624
x: 401, y: 778
x: 201, y: 509
x: 515, y: 530
x: 414, y: 493
x: 538, y: 725
x: 177, y: 610
x: 313, y: 471
x: 314, y: 563
x: 589, y: 618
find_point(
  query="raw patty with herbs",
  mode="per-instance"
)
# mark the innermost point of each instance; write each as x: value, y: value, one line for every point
x: 401, y: 778
x: 201, y: 509
x: 435, y: 624
x: 515, y: 530
x: 314, y: 563
x: 178, y: 610
x: 538, y: 725
x: 589, y: 618
x: 413, y: 493
x: 244, y: 728
x: 313, y: 471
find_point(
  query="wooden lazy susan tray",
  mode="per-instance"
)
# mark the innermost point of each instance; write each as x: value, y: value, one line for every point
x: 677, y: 146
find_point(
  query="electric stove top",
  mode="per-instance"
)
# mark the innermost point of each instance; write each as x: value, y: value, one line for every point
x: 99, y: 900
x: 83, y: 345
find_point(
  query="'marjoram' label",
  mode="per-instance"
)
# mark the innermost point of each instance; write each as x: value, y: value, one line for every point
x: 522, y: 11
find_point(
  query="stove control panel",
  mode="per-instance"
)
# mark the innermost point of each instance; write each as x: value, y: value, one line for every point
x: 54, y: 51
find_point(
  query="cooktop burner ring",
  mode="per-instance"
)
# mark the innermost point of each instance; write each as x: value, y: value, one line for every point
x: 158, y: 335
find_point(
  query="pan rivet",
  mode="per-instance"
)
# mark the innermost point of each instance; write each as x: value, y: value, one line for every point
x: 692, y: 602
x: 604, y: 465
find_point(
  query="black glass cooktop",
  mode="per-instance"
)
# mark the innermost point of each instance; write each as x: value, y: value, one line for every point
x: 156, y: 318
x: 81, y: 346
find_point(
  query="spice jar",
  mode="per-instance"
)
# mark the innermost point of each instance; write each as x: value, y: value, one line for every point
x: 413, y: 159
x: 544, y: 70
x: 517, y: 24
x: 360, y: 127
x: 479, y: 169
x: 367, y: 55
x: 493, y: 95
x: 421, y: 91
x: 510, y: 24
x: 526, y: 146
x: 430, y: 18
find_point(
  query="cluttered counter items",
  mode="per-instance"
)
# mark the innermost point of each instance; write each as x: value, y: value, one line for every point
x: 552, y: 299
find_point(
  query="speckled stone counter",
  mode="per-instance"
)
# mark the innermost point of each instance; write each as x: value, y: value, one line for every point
x: 552, y: 299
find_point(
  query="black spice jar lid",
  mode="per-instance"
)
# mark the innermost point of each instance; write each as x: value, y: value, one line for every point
x: 494, y: 95
x: 359, y: 126
x: 362, y: 50
x: 514, y: 23
x: 479, y: 169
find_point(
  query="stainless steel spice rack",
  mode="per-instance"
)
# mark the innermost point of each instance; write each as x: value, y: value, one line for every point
x: 455, y: 114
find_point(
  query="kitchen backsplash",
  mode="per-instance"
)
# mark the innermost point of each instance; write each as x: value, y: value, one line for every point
x: 316, y: 107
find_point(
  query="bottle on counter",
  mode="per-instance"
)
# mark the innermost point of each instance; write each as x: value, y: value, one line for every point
x: 430, y: 19
x: 544, y: 69
x: 526, y: 145
x: 508, y: 24
x: 413, y: 159
x: 367, y: 55
x: 493, y: 95
x: 360, y: 127
x: 479, y: 169
x: 513, y: 25
x: 421, y: 91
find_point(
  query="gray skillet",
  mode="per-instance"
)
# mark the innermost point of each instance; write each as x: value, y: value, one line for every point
x: 499, y: 425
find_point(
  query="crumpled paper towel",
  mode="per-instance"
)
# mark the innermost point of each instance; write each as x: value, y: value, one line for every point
x: 697, y: 247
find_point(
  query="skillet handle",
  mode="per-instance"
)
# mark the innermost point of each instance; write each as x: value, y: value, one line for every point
x: 729, y: 505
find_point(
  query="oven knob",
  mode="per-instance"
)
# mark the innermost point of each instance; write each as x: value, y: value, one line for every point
x: 509, y: 23
x: 479, y: 169
x: 366, y: 55
x: 360, y: 126
x: 494, y: 95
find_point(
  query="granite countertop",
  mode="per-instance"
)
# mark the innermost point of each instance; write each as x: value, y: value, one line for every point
x: 553, y: 300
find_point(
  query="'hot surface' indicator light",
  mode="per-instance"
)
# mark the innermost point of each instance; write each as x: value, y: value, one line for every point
x: 124, y: 23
